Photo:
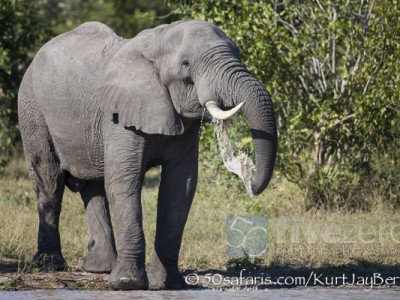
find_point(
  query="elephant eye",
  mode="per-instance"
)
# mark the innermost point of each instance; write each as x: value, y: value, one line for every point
x: 185, y: 63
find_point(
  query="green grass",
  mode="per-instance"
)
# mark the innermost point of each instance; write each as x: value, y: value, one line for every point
x: 296, y: 238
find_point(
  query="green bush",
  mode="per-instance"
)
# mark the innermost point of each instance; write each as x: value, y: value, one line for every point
x: 332, y: 70
x: 5, y: 144
x: 26, y: 24
x: 333, y: 188
x: 375, y: 183
x: 22, y: 28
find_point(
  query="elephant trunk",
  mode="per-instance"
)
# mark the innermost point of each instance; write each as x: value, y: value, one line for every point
x: 233, y: 84
x: 259, y: 112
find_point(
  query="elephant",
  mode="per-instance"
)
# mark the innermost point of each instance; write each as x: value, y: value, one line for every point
x: 96, y: 111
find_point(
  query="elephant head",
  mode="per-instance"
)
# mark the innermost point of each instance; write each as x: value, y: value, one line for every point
x: 170, y: 73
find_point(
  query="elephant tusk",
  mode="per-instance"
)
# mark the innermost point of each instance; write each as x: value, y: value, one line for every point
x: 220, y: 114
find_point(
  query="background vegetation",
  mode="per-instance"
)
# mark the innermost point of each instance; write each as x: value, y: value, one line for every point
x: 333, y: 73
x: 367, y: 241
x: 332, y: 70
x: 330, y: 66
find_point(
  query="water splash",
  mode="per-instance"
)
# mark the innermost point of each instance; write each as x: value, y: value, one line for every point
x: 240, y: 164
x: 202, y: 122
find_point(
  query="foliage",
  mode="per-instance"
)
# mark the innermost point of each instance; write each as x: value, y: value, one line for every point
x: 127, y: 18
x: 331, y: 67
x: 332, y: 70
x: 21, y: 29
x: 25, y: 24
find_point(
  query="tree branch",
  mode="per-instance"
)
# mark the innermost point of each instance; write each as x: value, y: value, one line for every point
x: 344, y: 120
x: 166, y: 16
x: 320, y: 6
x: 376, y: 69
x: 289, y: 27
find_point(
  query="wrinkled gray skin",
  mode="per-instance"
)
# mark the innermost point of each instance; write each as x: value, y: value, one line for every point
x: 97, y: 111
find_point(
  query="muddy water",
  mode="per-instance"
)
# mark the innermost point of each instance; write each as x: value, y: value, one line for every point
x: 276, y: 294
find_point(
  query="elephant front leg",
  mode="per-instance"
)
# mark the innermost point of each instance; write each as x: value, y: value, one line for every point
x: 123, y: 180
x: 129, y: 271
x: 177, y: 188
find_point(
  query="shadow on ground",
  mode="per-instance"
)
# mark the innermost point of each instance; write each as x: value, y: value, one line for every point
x: 359, y: 274
x: 15, y: 276
x: 9, y: 266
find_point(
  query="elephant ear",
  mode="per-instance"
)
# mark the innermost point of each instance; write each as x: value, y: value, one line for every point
x: 134, y: 96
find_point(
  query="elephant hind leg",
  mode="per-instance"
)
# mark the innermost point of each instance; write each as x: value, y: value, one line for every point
x: 102, y: 255
x: 48, y: 180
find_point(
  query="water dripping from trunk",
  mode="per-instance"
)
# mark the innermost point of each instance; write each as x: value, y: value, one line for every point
x: 234, y: 159
x: 202, y: 122
x: 240, y: 164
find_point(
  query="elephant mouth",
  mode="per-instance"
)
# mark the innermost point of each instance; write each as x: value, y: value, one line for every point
x: 190, y: 108
x: 193, y: 112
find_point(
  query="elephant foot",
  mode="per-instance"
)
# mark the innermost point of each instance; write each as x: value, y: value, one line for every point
x: 100, y: 260
x: 128, y: 276
x: 162, y: 279
x: 49, y: 261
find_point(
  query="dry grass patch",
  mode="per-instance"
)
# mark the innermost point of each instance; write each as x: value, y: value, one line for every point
x: 297, y: 239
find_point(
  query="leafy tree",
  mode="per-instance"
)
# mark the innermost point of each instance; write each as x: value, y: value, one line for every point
x: 127, y: 17
x: 21, y: 29
x: 135, y: 15
x: 25, y: 24
x: 332, y: 69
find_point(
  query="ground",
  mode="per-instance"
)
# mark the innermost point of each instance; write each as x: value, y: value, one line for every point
x: 300, y: 242
x: 342, y: 276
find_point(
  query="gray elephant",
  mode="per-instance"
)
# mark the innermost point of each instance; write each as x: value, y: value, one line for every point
x: 96, y: 111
